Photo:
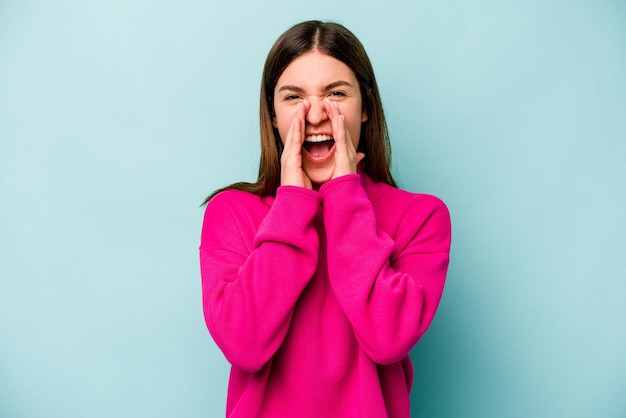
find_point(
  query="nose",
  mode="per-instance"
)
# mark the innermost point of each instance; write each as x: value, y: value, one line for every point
x: 317, y: 113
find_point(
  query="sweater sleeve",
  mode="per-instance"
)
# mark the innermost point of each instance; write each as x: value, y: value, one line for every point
x: 252, y: 278
x: 389, y: 288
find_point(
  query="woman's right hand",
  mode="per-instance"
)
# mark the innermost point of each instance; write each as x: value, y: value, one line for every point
x: 291, y: 170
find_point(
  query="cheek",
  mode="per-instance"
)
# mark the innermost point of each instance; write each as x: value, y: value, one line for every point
x: 282, y: 124
x: 354, y: 115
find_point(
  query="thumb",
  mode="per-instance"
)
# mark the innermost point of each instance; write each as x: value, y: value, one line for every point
x: 359, y: 157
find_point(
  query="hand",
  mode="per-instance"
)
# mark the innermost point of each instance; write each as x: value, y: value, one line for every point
x: 346, y: 156
x: 291, y: 172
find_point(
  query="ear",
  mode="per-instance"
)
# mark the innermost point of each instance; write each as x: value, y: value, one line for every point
x: 363, y: 116
x: 274, y: 124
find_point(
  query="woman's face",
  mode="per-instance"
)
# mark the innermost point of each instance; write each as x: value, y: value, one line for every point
x: 309, y: 79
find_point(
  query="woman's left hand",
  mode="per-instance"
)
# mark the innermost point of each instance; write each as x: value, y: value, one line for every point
x: 346, y: 156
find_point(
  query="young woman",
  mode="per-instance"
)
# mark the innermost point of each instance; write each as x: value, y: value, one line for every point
x: 319, y: 278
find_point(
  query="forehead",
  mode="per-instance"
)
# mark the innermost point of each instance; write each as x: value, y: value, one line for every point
x: 314, y: 70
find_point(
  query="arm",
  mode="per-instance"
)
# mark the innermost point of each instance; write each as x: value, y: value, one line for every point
x: 389, y: 288
x: 251, y: 279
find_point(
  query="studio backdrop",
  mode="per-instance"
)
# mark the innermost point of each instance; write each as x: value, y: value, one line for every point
x: 117, y: 119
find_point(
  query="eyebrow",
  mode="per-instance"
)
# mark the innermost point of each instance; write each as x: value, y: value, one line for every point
x: 328, y: 87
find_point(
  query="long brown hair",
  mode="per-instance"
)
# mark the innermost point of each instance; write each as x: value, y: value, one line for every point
x: 338, y: 42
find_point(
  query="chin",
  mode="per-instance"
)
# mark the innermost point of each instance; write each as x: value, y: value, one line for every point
x: 319, y: 176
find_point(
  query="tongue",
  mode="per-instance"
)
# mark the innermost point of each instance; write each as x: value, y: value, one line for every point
x: 318, y: 149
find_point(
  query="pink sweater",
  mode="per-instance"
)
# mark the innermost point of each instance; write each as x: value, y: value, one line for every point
x: 317, y: 297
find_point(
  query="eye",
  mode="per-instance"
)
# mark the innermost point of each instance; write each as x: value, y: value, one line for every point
x: 337, y: 94
x: 292, y: 97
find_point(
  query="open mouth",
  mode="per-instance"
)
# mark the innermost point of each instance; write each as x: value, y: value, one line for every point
x: 318, y: 145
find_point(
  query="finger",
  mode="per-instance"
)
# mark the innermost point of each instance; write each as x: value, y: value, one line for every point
x: 359, y: 157
x: 307, y: 181
x: 336, y: 121
x: 288, y: 145
x: 332, y: 110
x: 295, y: 129
x: 297, y: 134
x: 345, y: 162
x: 306, y: 105
x: 302, y: 111
x: 342, y: 136
x: 346, y: 138
x: 291, y: 159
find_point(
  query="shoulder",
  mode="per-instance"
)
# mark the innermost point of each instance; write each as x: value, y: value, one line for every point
x: 397, y: 201
x: 235, y: 203
x: 234, y: 197
x: 233, y: 216
x: 406, y: 215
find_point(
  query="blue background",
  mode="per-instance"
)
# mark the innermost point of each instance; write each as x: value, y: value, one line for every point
x: 118, y: 117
